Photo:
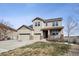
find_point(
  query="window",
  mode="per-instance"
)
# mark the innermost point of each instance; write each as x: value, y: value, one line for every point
x: 38, y: 23
x: 55, y: 23
x: 24, y: 34
x: 46, y: 24
x: 54, y: 32
x: 35, y: 23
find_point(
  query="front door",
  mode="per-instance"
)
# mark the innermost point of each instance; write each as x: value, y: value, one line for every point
x: 45, y: 34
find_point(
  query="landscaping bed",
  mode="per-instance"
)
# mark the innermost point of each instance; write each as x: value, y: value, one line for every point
x: 39, y: 49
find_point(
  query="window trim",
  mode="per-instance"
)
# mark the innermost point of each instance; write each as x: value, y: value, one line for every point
x: 46, y: 24
x: 38, y: 23
x: 55, y: 23
x: 55, y: 32
x: 24, y: 34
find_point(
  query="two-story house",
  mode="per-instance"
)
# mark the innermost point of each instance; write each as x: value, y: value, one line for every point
x: 48, y: 29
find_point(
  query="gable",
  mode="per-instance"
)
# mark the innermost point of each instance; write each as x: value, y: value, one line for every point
x: 37, y: 18
x: 24, y: 27
x: 24, y: 30
x: 38, y: 21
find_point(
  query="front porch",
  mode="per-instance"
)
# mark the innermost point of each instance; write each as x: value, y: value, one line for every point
x: 53, y: 34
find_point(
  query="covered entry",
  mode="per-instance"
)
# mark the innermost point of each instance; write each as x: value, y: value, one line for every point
x: 52, y: 33
x: 45, y: 33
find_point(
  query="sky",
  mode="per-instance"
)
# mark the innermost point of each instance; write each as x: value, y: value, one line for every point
x: 18, y: 14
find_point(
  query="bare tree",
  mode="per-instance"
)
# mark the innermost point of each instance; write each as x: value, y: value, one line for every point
x: 4, y: 27
x: 6, y: 23
x: 71, y: 26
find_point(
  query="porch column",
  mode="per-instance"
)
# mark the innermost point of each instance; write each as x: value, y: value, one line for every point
x: 41, y: 34
x: 48, y: 34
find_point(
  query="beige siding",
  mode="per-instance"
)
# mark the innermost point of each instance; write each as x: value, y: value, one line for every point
x: 37, y: 37
x: 60, y: 23
x: 49, y: 24
x: 24, y: 30
x: 37, y: 28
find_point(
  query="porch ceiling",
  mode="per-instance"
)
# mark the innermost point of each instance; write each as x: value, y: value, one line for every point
x: 50, y: 28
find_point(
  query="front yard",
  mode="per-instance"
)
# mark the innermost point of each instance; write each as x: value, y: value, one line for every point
x: 39, y: 49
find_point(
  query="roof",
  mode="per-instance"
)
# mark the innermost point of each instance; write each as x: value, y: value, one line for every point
x: 3, y: 26
x: 25, y: 27
x: 54, y: 19
x: 31, y: 26
x: 38, y: 18
x: 48, y: 20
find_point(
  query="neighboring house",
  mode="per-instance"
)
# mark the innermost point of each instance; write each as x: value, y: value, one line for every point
x: 6, y: 32
x: 48, y: 29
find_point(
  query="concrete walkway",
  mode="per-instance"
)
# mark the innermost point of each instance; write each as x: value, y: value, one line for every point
x: 12, y: 44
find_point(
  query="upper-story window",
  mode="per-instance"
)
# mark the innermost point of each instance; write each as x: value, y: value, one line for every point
x: 38, y: 23
x: 35, y: 23
x: 46, y: 24
x: 55, y: 23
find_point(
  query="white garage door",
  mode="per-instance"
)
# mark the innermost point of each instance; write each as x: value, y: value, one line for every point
x: 24, y: 36
x: 37, y: 36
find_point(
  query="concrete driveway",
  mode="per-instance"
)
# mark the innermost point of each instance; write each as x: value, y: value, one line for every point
x: 12, y: 44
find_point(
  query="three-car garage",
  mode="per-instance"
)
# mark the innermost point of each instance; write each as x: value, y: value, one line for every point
x: 26, y: 33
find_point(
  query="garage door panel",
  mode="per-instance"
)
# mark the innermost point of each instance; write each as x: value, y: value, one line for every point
x: 37, y: 37
x: 24, y: 36
x: 24, y: 33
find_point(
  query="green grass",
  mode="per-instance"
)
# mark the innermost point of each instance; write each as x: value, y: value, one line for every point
x: 39, y: 49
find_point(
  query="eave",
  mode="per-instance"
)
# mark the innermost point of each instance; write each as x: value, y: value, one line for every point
x: 52, y: 28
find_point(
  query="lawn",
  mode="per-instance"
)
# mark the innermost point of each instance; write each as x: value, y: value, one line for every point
x: 39, y: 49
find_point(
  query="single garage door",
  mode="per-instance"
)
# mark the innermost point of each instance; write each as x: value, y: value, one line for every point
x: 25, y: 36
x: 37, y: 36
